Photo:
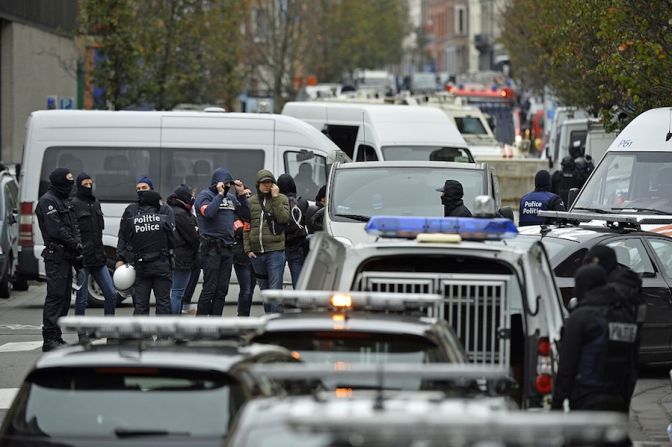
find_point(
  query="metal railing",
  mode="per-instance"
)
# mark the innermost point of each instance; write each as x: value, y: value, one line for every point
x: 475, y: 305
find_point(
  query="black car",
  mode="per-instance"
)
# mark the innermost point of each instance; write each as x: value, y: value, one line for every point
x: 139, y: 392
x: 647, y: 253
x: 9, y: 235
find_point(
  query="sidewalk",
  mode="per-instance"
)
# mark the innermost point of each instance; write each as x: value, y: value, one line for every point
x: 651, y: 412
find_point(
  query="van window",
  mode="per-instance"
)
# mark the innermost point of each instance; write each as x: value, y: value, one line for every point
x: 309, y: 174
x: 114, y: 169
x: 344, y: 137
x: 578, y: 135
x: 470, y: 125
x: 366, y: 153
x: 424, y: 153
x: 194, y: 167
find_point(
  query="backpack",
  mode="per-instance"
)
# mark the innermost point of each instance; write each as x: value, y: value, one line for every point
x: 296, y: 227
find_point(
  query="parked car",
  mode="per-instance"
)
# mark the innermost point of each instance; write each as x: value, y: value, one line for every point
x: 647, y: 253
x: 9, y: 235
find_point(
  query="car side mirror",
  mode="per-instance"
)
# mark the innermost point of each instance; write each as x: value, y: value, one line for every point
x: 571, y: 196
x: 506, y: 212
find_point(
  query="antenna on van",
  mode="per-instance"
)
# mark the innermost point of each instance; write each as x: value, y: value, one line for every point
x: 669, y: 128
x: 363, y: 133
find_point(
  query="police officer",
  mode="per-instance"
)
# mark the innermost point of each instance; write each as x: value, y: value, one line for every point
x: 216, y: 210
x: 583, y: 163
x: 565, y: 179
x: 597, y: 356
x: 541, y: 199
x: 147, y: 243
x: 453, y: 205
x: 62, y: 250
x: 91, y: 224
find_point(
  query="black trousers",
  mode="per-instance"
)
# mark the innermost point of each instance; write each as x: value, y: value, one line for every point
x: 57, y: 301
x: 216, y: 264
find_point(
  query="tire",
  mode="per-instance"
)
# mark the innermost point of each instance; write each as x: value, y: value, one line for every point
x: 5, y: 284
x: 20, y: 284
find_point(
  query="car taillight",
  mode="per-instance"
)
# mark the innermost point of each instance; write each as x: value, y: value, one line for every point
x: 543, y: 381
x: 26, y: 224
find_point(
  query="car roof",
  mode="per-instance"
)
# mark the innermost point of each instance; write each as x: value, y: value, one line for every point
x: 584, y: 233
x: 221, y: 358
x: 357, y: 321
x: 412, y: 164
x: 474, y: 248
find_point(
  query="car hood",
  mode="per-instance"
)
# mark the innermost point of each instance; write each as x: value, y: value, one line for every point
x: 352, y: 231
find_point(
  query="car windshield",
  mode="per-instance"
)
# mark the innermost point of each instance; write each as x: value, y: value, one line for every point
x: 122, y: 402
x: 629, y: 181
x: 470, y: 125
x: 425, y: 153
x: 330, y: 347
x: 403, y: 191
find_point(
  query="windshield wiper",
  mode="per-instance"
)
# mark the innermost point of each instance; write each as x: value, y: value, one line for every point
x: 133, y: 433
x: 357, y: 217
x: 650, y: 210
x: 594, y: 210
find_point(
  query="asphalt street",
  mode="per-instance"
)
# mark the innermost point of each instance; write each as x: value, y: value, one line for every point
x: 20, y: 343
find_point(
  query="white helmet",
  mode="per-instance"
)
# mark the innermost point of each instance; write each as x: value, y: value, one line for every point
x: 124, y: 277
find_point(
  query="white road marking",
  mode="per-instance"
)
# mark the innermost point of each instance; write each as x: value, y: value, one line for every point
x: 20, y: 346
x: 6, y: 397
x: 19, y: 327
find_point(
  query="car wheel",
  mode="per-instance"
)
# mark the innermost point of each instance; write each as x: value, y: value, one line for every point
x: 5, y: 284
x: 20, y: 284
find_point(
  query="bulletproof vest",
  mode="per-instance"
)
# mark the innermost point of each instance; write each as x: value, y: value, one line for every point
x: 148, y: 235
x: 608, y: 361
x: 531, y: 204
x: 567, y: 182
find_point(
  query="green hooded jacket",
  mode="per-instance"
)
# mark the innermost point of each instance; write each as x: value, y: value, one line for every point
x: 260, y: 239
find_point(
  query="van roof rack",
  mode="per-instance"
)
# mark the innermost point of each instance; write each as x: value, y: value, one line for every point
x: 139, y: 328
x: 613, y: 221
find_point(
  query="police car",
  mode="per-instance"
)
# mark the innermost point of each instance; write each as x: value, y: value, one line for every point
x: 136, y: 392
x: 351, y: 417
x: 321, y: 327
x: 647, y: 253
x: 501, y: 300
x: 357, y: 191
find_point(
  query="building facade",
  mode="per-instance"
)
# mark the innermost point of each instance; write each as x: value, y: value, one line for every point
x: 38, y: 65
x: 447, y: 24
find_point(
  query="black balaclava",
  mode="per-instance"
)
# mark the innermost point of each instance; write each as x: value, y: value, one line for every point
x: 144, y: 179
x: 83, y: 191
x: 587, y: 278
x: 452, y: 196
x: 603, y: 256
x: 151, y: 198
x: 183, y: 193
x: 287, y: 185
x: 60, y: 184
x: 568, y: 164
x: 542, y: 181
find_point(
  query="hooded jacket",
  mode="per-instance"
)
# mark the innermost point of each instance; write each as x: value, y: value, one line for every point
x: 216, y: 212
x: 541, y: 199
x: 186, y: 234
x: 294, y: 235
x: 89, y: 217
x: 260, y: 238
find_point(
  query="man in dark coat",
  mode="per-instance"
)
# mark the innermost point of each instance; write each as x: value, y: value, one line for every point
x: 453, y: 205
x: 62, y: 248
x: 296, y: 232
x: 186, y: 244
x: 315, y: 213
x: 90, y: 221
x: 564, y: 179
x: 597, y: 356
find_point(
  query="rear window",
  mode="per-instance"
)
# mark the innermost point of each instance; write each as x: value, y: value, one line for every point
x: 115, y: 169
x: 424, y: 153
x: 125, y: 402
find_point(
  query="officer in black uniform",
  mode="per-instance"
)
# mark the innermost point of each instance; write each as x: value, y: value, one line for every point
x: 565, y: 179
x: 541, y: 199
x: 147, y: 243
x: 62, y: 250
x: 598, y: 352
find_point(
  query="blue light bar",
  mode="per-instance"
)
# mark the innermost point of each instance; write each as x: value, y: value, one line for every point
x: 469, y: 228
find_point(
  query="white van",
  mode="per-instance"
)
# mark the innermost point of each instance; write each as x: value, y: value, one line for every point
x: 116, y: 148
x: 561, y: 115
x: 598, y: 141
x: 375, y: 132
x: 574, y: 132
x: 634, y: 177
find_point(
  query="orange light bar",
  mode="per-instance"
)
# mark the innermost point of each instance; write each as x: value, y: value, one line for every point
x: 341, y: 301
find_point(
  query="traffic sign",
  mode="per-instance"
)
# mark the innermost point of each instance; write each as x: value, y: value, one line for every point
x: 66, y: 102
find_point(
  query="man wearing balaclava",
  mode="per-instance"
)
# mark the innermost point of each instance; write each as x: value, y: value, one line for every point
x: 541, y: 199
x: 143, y: 185
x: 598, y: 358
x: 149, y: 240
x: 90, y: 221
x: 453, y: 205
x: 62, y: 248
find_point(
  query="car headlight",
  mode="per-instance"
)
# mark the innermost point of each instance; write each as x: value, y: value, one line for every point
x: 344, y: 240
